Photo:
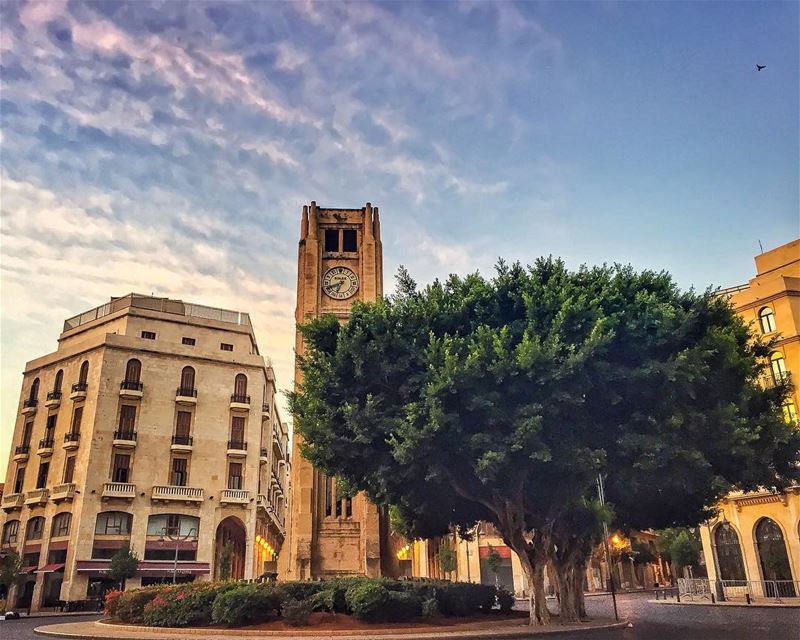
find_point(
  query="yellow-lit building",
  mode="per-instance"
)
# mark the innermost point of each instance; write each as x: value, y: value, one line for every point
x: 756, y: 536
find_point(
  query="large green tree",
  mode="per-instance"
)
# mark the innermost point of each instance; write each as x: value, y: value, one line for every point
x: 502, y: 400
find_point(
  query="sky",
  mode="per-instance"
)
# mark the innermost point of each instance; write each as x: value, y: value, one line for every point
x: 168, y: 148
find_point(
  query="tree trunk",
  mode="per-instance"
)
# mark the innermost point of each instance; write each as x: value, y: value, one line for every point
x: 568, y: 578
x: 532, y: 562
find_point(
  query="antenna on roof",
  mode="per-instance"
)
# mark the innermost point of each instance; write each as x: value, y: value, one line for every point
x: 761, y: 246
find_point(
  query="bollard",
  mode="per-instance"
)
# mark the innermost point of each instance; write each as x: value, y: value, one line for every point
x: 712, y: 599
x: 678, y: 595
x: 747, y: 597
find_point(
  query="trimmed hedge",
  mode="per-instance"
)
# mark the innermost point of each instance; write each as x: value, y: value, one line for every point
x: 238, y: 603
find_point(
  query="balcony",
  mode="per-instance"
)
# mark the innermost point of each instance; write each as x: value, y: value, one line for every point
x: 237, y: 448
x: 13, y: 501
x: 170, y: 493
x: 261, y: 501
x: 53, y: 399
x: 240, y: 402
x: 125, y: 439
x: 181, y: 443
x: 265, y: 411
x: 264, y: 457
x: 29, y: 406
x: 46, y: 447
x: 21, y: 453
x: 186, y: 395
x: 63, y: 492
x: 121, y: 490
x: 131, y: 389
x: 235, y: 496
x: 71, y: 441
x: 78, y: 391
x: 36, y: 497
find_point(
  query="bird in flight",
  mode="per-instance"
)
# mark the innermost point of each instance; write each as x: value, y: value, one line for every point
x: 761, y: 66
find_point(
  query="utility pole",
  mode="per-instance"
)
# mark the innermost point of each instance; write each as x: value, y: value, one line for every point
x: 602, y: 497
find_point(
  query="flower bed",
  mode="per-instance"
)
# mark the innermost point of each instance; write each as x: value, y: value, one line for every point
x: 235, y: 604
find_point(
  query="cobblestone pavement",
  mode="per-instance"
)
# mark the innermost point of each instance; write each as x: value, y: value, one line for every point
x: 22, y: 629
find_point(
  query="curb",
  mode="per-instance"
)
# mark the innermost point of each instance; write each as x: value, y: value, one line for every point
x: 754, y: 605
x: 378, y: 634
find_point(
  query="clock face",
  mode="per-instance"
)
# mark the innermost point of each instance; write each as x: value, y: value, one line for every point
x: 340, y: 283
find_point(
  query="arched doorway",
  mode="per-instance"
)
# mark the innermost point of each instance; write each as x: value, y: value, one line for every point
x: 230, y: 548
x: 773, y: 559
x: 729, y: 553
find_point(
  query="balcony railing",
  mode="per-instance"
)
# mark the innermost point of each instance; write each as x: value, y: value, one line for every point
x: 126, y: 435
x: 186, y: 392
x: 22, y: 449
x: 265, y: 408
x: 79, y: 387
x: 29, y: 403
x: 54, y: 395
x: 119, y: 490
x: 131, y: 385
x: 172, y: 492
x: 36, y: 496
x: 240, y: 445
x: 72, y: 437
x: 46, y: 443
x: 13, y: 501
x: 235, y: 496
x: 240, y: 399
x: 64, y: 491
x: 183, y: 440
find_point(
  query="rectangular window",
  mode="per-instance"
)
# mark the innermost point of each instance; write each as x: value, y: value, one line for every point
x: 69, y: 469
x: 27, y: 430
x: 35, y: 529
x: 41, y: 479
x: 77, y: 416
x: 183, y: 424
x: 349, y: 240
x: 50, y: 427
x: 127, y: 418
x: 235, y: 475
x: 19, y: 480
x: 113, y: 523
x: 179, y: 475
x: 188, y: 341
x: 224, y: 346
x: 237, y: 429
x: 332, y: 240
x: 148, y: 335
x: 122, y: 464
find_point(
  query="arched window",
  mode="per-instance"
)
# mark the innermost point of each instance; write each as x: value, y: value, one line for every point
x: 61, y: 525
x: 778, y: 364
x: 10, y: 533
x: 187, y: 378
x: 59, y: 379
x: 773, y: 558
x: 766, y: 318
x: 83, y: 376
x: 240, y: 385
x: 173, y: 524
x: 113, y: 523
x: 789, y: 412
x: 34, y: 528
x: 729, y: 553
x: 34, y: 394
x: 133, y: 370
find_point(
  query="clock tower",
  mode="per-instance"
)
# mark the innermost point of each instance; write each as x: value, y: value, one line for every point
x: 339, y: 261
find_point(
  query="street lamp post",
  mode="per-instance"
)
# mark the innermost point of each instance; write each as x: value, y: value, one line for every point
x: 601, y: 494
x: 177, y: 538
x: 718, y: 587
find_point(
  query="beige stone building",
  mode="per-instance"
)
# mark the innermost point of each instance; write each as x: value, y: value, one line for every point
x: 153, y: 425
x: 339, y: 261
x: 756, y: 536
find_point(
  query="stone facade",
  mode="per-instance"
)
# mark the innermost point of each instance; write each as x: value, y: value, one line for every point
x: 153, y: 425
x: 756, y: 536
x: 339, y: 261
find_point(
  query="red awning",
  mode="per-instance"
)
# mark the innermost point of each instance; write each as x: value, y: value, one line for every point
x: 50, y: 568
x: 109, y: 544
x: 170, y: 545
x: 58, y: 545
x: 502, y: 550
x: 30, y: 569
x: 154, y: 568
x: 93, y: 566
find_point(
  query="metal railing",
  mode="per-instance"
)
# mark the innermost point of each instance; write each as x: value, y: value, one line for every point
x: 72, y: 437
x: 131, y: 385
x: 79, y: 386
x: 241, y: 445
x: 29, y: 402
x: 46, y: 443
x: 737, y: 590
x: 54, y: 395
x: 186, y: 392
x: 22, y: 448
x: 184, y: 440
x: 240, y: 398
x: 164, y: 305
x: 124, y: 434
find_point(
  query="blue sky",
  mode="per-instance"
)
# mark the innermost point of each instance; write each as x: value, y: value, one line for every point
x: 168, y: 148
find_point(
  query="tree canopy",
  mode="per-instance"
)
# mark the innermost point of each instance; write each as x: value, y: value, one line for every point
x: 502, y: 399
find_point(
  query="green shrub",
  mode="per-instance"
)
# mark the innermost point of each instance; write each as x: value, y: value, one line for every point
x: 296, y: 612
x: 430, y: 607
x: 505, y: 599
x: 246, y: 604
x: 464, y: 598
x: 401, y: 607
x: 299, y: 590
x: 366, y: 600
x: 181, y: 606
x: 131, y: 604
x: 324, y: 600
